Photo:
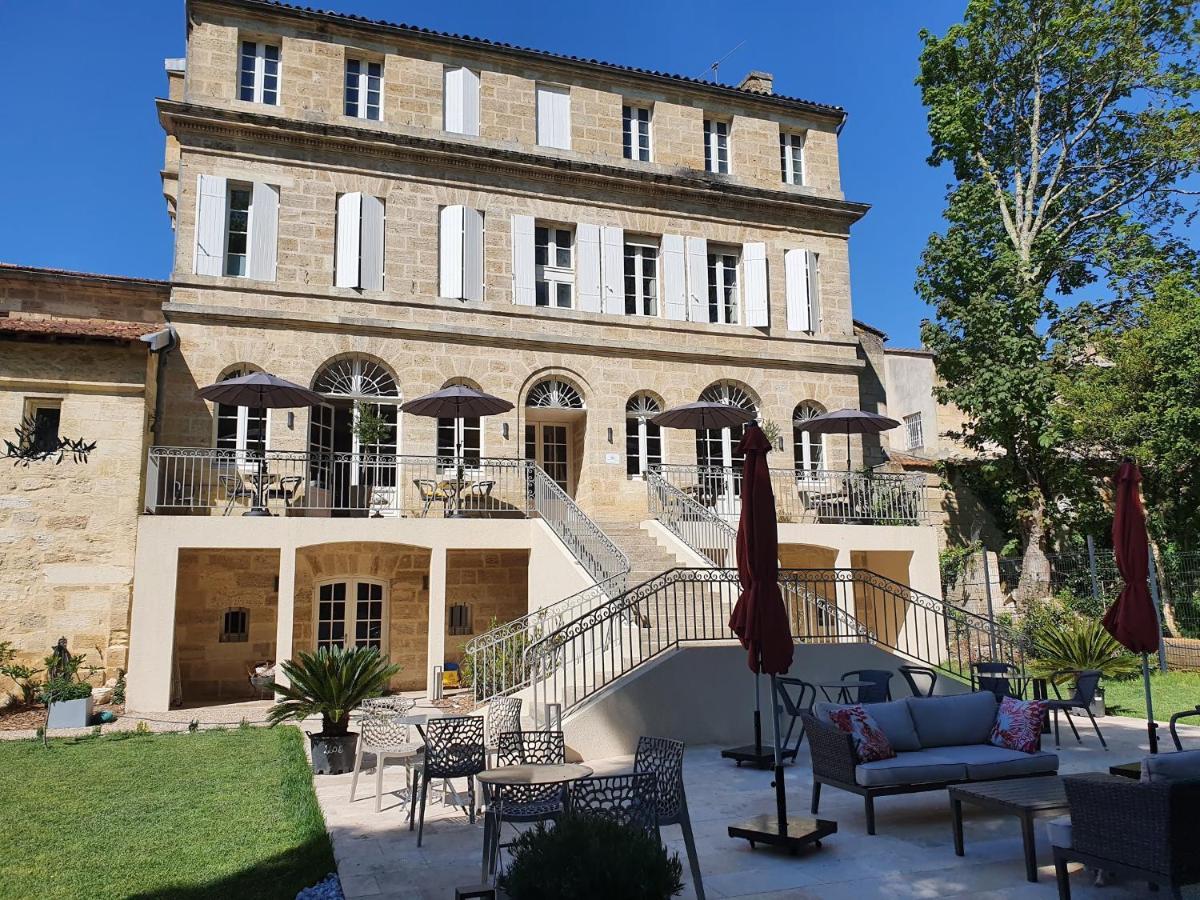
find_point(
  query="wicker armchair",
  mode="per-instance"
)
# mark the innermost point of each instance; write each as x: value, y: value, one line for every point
x: 1147, y: 832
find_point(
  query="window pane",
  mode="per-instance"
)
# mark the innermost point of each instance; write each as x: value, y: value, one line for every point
x: 541, y: 240
x: 563, y: 293
x: 542, y: 294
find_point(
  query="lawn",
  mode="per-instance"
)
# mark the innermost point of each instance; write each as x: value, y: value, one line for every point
x: 217, y: 813
x: 1172, y: 692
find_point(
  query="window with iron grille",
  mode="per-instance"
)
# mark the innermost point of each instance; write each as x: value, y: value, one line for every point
x: 235, y: 625
x: 916, y: 431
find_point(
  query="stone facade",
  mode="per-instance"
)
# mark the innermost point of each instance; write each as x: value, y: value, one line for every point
x: 492, y: 584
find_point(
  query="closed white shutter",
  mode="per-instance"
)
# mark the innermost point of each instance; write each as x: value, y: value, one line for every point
x: 450, y: 240
x: 349, y: 229
x: 612, y: 251
x: 813, y: 266
x: 470, y: 102
x: 697, y: 279
x: 795, y: 272
x: 371, y: 268
x: 587, y: 266
x: 264, y: 231
x: 554, y: 117
x: 210, y: 225
x: 754, y: 267
x: 522, y: 260
x: 472, y: 254
x: 674, y: 277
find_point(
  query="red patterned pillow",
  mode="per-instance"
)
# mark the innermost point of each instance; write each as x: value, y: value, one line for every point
x: 870, y: 743
x: 1018, y: 725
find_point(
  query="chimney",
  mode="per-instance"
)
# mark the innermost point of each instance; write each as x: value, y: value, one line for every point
x: 758, y: 83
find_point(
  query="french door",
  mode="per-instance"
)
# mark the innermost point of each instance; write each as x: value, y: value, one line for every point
x: 549, y: 445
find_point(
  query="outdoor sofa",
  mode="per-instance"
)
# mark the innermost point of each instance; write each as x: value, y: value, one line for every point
x: 939, y: 741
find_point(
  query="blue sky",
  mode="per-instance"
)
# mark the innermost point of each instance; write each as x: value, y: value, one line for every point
x: 81, y: 146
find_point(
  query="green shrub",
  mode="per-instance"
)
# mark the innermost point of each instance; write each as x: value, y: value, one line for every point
x: 1077, y: 643
x: 62, y: 690
x: 118, y: 691
x: 26, y: 681
x: 590, y: 859
x: 330, y: 683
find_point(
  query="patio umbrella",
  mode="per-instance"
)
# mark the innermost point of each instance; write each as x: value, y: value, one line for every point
x: 1133, y: 619
x: 260, y: 390
x: 848, y: 422
x: 703, y: 415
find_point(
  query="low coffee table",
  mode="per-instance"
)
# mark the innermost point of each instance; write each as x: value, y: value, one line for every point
x: 1025, y: 798
x: 1127, y: 770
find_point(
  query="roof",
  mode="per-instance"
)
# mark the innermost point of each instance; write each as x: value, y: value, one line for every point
x: 911, y: 461
x: 70, y: 329
x: 484, y: 43
x: 859, y: 323
x: 126, y: 280
x: 910, y: 351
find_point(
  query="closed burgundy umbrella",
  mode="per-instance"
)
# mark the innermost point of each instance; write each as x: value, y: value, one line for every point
x: 1133, y: 619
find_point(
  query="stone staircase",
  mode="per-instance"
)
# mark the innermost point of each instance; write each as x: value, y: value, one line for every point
x: 646, y: 558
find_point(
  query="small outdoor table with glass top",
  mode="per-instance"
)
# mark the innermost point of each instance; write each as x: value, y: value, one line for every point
x: 842, y: 689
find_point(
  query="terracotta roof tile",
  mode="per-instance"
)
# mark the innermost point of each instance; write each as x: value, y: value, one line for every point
x: 103, y: 329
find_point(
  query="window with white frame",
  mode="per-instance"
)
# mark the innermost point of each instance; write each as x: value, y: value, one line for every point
x: 240, y: 428
x: 459, y: 439
x: 722, y: 285
x: 808, y: 448
x: 643, y: 439
x: 716, y: 146
x: 259, y: 80
x: 554, y: 265
x: 635, y: 132
x: 237, y: 228
x: 364, y: 88
x: 641, y: 279
x: 916, y: 431
x: 351, y: 614
x: 791, y: 157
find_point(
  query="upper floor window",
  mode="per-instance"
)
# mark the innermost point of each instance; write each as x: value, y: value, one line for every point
x: 358, y: 246
x: 635, y: 132
x: 554, y: 266
x: 240, y: 428
x: 641, y: 279
x: 808, y: 448
x: 722, y: 285
x: 364, y: 81
x: 716, y: 146
x: 259, y: 73
x: 554, y: 117
x: 460, y: 101
x: 791, y: 157
x: 916, y: 431
x: 237, y: 228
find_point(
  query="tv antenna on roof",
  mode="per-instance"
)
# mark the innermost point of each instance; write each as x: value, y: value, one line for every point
x: 715, y: 67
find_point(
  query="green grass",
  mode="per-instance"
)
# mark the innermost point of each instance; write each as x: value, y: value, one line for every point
x: 1172, y: 692
x: 211, y: 814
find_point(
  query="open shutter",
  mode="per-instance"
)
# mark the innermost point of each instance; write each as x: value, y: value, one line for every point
x: 697, y: 279
x: 562, y: 120
x: 452, y: 101
x: 349, y: 230
x: 587, y: 266
x: 210, y: 225
x: 754, y: 265
x: 472, y: 254
x: 470, y: 102
x: 612, y: 244
x: 264, y: 231
x: 795, y: 271
x: 371, y: 268
x: 522, y: 260
x: 450, y: 281
x: 674, y: 277
x: 813, y: 260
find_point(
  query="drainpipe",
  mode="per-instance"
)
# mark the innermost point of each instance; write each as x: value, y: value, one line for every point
x: 161, y: 343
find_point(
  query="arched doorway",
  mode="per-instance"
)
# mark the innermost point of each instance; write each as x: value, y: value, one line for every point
x: 554, y: 420
x: 716, y: 449
x: 808, y: 449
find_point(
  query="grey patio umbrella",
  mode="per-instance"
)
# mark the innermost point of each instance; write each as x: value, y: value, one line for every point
x: 260, y: 390
x: 703, y: 415
x: 848, y: 422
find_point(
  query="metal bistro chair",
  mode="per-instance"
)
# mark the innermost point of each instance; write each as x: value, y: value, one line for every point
x: 387, y: 735
x: 524, y: 803
x: 429, y: 491
x: 1186, y: 714
x: 453, y: 749
x: 1086, y: 682
x: 910, y: 674
x: 664, y: 757
x: 880, y: 684
x: 1001, y: 678
x: 796, y: 697
x: 503, y: 714
x: 236, y: 489
x: 630, y: 800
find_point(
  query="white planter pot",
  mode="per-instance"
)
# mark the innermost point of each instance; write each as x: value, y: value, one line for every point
x: 70, y: 714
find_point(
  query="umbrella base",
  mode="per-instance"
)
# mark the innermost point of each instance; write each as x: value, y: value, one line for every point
x: 257, y: 511
x: 801, y: 831
x: 758, y: 757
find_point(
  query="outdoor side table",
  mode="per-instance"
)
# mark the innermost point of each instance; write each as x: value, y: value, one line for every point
x: 1127, y: 770
x: 495, y: 780
x: 842, y: 689
x: 1025, y: 798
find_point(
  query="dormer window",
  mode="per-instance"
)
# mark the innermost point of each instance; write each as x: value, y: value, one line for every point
x: 716, y: 146
x: 364, y: 88
x: 259, y: 73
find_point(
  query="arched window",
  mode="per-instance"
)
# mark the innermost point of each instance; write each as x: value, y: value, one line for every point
x: 354, y: 388
x: 455, y: 436
x: 718, y: 446
x: 643, y: 439
x: 809, y: 449
x: 240, y: 427
x: 554, y: 394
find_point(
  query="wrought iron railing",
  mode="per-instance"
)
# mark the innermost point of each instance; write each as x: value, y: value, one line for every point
x: 707, y: 533
x: 600, y: 557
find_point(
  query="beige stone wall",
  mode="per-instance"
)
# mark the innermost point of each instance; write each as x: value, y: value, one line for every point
x: 209, y: 583
x: 493, y: 583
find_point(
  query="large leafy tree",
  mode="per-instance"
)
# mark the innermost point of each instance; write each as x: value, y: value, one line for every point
x: 1069, y: 129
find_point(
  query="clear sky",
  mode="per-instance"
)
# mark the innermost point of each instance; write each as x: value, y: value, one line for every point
x: 81, y: 148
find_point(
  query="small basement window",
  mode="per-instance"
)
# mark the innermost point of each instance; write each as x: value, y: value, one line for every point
x: 235, y: 625
x: 45, y: 416
x: 460, y: 619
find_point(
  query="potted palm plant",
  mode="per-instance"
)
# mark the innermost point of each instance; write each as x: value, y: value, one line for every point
x: 330, y: 683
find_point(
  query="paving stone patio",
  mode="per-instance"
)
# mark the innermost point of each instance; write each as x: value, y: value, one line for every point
x: 912, y: 856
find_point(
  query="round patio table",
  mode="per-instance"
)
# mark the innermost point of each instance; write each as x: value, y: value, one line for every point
x: 522, y: 776
x: 842, y: 689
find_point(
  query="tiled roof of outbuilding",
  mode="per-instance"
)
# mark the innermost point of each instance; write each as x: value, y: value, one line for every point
x: 51, y: 328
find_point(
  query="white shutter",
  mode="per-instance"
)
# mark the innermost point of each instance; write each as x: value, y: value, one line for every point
x: 470, y: 102
x: 697, y: 279
x: 795, y: 271
x: 264, y: 231
x: 587, y: 267
x: 451, y: 251
x: 522, y: 260
x: 813, y: 260
x: 349, y: 230
x: 562, y: 120
x: 612, y: 244
x: 452, y: 100
x: 210, y: 225
x: 754, y: 267
x: 472, y: 254
x: 371, y: 268
x: 674, y: 277
x: 554, y: 117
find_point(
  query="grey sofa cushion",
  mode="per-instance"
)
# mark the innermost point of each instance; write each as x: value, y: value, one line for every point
x: 920, y: 767
x: 953, y: 719
x: 985, y: 762
x: 892, y: 718
x: 1171, y: 766
x: 1059, y: 832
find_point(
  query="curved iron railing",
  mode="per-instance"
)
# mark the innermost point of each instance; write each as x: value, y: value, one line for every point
x: 696, y: 525
x: 600, y: 557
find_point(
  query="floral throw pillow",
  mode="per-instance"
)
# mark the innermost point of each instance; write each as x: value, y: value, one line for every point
x: 870, y: 743
x: 1018, y: 725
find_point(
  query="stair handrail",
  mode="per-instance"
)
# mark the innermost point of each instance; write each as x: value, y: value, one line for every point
x: 692, y: 522
x: 600, y: 557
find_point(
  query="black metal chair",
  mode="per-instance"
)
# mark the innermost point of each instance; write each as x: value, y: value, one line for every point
x: 630, y: 800
x: 453, y: 749
x: 1187, y: 713
x: 1086, y: 682
x: 795, y: 696
x: 879, y: 689
x: 524, y: 803
x: 664, y: 757
x: 1001, y: 678
x: 910, y: 674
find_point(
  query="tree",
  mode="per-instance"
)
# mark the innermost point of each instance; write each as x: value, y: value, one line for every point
x: 1069, y: 130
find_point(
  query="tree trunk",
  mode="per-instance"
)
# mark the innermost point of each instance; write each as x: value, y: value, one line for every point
x: 1164, y: 591
x: 1035, y: 565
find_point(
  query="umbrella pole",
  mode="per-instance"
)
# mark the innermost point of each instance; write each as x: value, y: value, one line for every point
x: 780, y: 795
x: 757, y: 714
x: 1151, y: 725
